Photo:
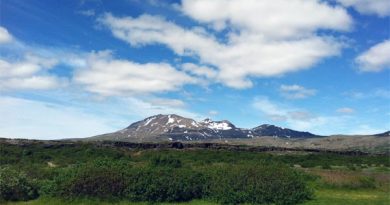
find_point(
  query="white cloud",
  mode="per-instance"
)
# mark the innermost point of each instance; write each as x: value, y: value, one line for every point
x: 276, y: 19
x: 28, y: 73
x: 345, y: 110
x: 375, y: 58
x: 5, y: 36
x: 31, y: 83
x: 204, y: 71
x: 378, y: 7
x: 107, y: 76
x: 29, y: 68
x: 296, y: 91
x: 251, y: 47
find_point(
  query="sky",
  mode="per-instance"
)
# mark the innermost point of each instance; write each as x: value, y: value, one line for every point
x: 86, y: 67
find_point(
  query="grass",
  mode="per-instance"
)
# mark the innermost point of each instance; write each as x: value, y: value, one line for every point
x: 52, y: 201
x: 349, y: 197
x: 322, y: 197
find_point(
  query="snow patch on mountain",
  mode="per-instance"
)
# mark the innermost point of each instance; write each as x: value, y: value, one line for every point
x: 170, y: 119
x: 149, y: 120
x: 219, y: 126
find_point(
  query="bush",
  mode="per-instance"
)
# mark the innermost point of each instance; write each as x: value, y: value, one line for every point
x: 106, y: 180
x: 351, y: 167
x: 326, y: 166
x: 101, y: 179
x: 15, y: 186
x: 367, y: 183
x: 162, y: 184
x: 165, y: 161
x: 258, y: 185
x: 164, y: 181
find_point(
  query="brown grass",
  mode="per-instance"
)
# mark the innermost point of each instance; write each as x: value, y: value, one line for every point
x: 348, y: 178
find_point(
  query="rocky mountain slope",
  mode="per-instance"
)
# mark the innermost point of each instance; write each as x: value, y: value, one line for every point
x: 176, y: 128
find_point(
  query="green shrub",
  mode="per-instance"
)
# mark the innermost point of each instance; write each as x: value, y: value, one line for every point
x: 326, y: 166
x: 367, y: 183
x: 351, y: 167
x: 106, y: 180
x: 167, y: 161
x: 162, y: 184
x: 101, y: 179
x: 258, y: 185
x: 15, y: 186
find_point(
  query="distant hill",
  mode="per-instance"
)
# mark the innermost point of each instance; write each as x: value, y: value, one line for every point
x: 272, y: 130
x: 177, y: 128
x: 385, y: 134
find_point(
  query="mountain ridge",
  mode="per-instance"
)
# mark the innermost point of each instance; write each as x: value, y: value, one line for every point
x: 172, y: 127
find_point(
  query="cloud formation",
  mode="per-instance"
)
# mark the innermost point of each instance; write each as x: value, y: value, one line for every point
x: 249, y: 47
x: 201, y: 71
x: 107, y: 76
x: 279, y: 19
x: 375, y: 58
x: 30, y: 73
x: 377, y: 7
x: 5, y: 36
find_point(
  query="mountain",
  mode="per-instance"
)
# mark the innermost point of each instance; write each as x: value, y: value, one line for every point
x: 272, y: 130
x: 176, y: 128
x: 385, y: 134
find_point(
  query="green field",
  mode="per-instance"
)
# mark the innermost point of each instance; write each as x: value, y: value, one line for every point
x: 41, y: 174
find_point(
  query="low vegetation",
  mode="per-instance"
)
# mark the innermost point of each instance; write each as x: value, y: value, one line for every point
x: 85, y: 172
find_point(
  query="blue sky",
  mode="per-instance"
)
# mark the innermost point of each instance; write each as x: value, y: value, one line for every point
x: 81, y: 68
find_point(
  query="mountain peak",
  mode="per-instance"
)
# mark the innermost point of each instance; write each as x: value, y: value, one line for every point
x: 177, y: 128
x: 164, y: 122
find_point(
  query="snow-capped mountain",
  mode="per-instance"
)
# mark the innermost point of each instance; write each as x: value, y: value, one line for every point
x: 176, y: 128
